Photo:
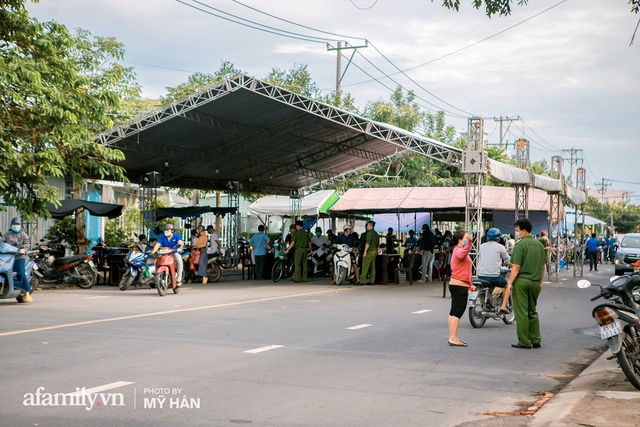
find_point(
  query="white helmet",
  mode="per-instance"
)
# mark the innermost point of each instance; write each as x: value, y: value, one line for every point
x: 347, y: 226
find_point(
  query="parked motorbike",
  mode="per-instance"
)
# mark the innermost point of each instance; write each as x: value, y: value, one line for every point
x: 214, y: 266
x: 344, y: 265
x: 315, y: 266
x: 619, y: 322
x: 166, y: 272
x: 485, y: 302
x: 8, y: 276
x: 141, y: 270
x: 73, y: 270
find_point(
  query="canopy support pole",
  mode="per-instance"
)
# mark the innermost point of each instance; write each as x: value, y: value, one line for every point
x: 522, y: 191
x: 555, y: 221
x: 474, y: 163
x: 581, y: 182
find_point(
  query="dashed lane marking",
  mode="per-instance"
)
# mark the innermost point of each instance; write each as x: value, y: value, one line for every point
x: 364, y: 325
x: 261, y: 349
x: 421, y: 311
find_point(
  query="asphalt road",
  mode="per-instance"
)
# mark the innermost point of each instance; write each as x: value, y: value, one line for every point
x: 192, y: 349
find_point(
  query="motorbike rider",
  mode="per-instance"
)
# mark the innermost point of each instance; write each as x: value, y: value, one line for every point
x: 346, y: 238
x: 492, y: 257
x: 18, y: 238
x: 172, y: 240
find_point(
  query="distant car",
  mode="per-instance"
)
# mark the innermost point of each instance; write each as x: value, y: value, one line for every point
x: 628, y: 253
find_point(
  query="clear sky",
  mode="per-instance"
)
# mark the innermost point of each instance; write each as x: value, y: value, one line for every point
x: 569, y: 72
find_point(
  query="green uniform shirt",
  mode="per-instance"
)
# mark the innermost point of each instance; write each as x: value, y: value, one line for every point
x: 529, y: 254
x: 373, y: 240
x: 301, y: 239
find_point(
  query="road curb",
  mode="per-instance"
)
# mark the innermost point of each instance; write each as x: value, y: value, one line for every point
x: 599, y: 375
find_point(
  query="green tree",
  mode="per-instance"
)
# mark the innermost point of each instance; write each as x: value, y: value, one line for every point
x: 199, y: 81
x: 56, y: 90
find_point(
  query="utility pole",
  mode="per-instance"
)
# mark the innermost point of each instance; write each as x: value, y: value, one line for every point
x: 575, y: 156
x: 602, y: 188
x: 339, y: 72
x: 501, y: 120
x: 339, y: 68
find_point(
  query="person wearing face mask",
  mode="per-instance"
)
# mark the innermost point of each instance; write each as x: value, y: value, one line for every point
x: 317, y: 243
x: 371, y: 244
x: 172, y: 240
x: 18, y: 238
x: 525, y: 284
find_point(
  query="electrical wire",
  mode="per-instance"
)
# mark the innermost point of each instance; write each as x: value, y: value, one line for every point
x: 416, y: 83
x: 250, y: 26
x: 589, y: 170
x: 468, y: 46
x: 157, y: 66
x: 536, y: 134
x: 307, y: 38
x: 324, y: 39
x: 399, y: 85
x: 624, y: 182
x: 295, y: 23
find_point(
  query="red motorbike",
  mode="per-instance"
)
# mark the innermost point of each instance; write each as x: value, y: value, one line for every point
x: 166, y: 271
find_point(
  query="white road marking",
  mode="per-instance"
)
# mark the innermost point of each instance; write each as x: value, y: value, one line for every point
x: 161, y: 313
x: 421, y: 311
x: 98, y: 389
x: 104, y: 296
x: 364, y: 325
x: 261, y: 349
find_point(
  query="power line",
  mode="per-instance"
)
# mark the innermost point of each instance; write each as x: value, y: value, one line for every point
x: 416, y: 83
x: 536, y: 134
x: 624, y: 182
x: 468, y: 46
x: 398, y: 84
x: 303, y: 38
x: 158, y: 66
x: 295, y: 23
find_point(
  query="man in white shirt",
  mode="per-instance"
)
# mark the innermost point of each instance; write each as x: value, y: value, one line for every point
x: 492, y: 257
x: 214, y: 244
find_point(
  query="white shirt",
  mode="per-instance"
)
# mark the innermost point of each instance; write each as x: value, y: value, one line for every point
x: 492, y: 254
x: 319, y: 241
x: 213, y: 244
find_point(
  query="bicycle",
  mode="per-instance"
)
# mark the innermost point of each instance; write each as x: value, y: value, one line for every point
x: 281, y: 268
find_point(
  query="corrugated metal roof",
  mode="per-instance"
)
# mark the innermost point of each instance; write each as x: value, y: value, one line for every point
x: 425, y: 199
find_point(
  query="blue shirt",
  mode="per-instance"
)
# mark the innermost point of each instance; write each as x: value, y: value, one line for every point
x: 258, y: 241
x: 173, y: 243
x: 345, y: 240
x: 592, y: 244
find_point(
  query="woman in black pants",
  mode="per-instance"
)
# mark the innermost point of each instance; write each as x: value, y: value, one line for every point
x: 459, y: 284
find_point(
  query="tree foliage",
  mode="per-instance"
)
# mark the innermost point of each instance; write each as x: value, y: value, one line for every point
x: 491, y: 7
x: 626, y: 216
x: 57, y: 90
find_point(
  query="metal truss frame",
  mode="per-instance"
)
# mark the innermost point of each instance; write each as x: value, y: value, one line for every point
x: 474, y: 168
x: 581, y: 182
x: 522, y: 191
x: 367, y: 129
x: 555, y: 231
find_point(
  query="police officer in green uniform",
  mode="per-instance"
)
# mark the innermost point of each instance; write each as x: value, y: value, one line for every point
x: 372, y: 241
x: 300, y: 240
x: 525, y: 284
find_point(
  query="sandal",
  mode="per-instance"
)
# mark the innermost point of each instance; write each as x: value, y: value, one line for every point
x: 459, y: 344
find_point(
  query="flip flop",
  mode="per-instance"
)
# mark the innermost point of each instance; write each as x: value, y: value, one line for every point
x: 460, y: 344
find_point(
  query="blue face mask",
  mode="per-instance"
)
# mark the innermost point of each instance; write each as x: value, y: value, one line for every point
x: 15, y: 228
x: 318, y: 233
